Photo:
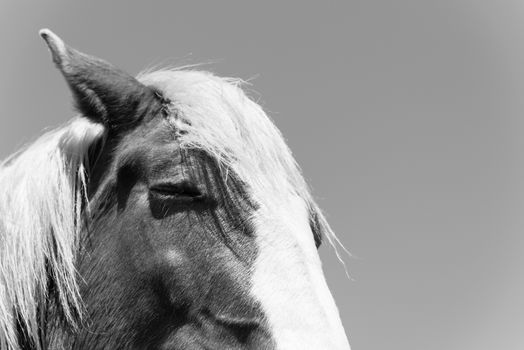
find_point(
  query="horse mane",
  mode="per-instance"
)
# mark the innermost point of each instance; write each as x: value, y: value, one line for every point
x: 44, y: 189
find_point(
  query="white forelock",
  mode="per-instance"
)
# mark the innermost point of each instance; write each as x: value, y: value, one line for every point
x: 214, y: 114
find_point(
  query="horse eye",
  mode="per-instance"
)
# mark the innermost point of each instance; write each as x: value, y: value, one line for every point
x: 183, y: 191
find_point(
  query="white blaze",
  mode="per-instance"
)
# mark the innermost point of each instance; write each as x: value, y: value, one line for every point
x: 289, y: 283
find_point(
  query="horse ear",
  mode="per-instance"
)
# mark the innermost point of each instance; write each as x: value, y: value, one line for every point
x: 102, y: 92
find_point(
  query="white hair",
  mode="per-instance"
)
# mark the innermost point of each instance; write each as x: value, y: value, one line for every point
x: 43, y: 188
x: 42, y: 191
x: 214, y: 114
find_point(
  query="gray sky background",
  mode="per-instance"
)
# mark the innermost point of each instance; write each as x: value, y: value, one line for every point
x: 406, y: 116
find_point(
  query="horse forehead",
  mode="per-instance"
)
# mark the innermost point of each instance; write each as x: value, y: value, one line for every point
x: 155, y: 141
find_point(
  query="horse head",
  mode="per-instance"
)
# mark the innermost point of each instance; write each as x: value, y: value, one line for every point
x: 192, y: 226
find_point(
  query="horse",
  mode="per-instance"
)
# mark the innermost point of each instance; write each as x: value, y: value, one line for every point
x: 168, y: 214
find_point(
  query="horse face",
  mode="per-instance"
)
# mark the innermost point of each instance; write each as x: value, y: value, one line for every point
x: 184, y: 250
x: 172, y: 258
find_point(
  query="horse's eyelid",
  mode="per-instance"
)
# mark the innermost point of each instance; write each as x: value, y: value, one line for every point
x: 183, y: 188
